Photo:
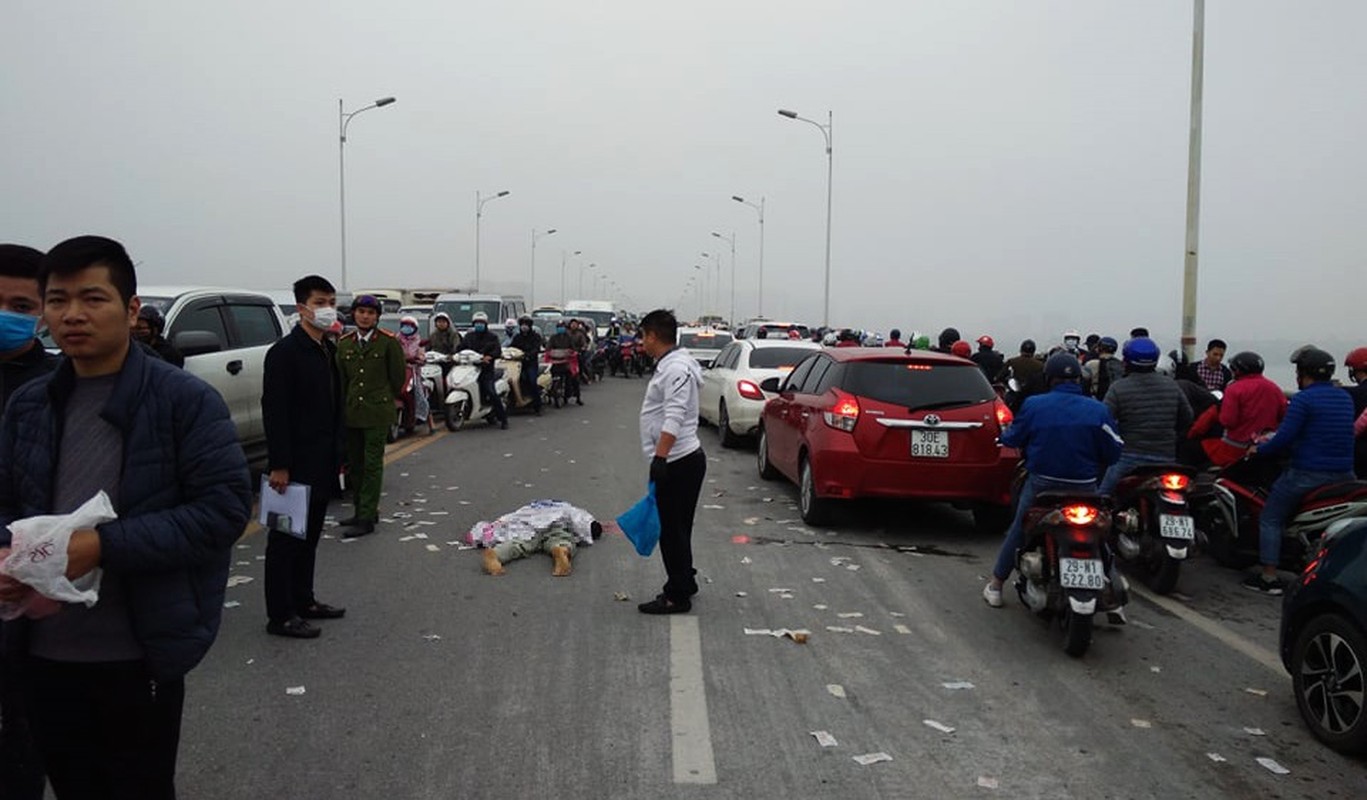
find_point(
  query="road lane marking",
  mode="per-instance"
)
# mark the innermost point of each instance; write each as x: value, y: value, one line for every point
x: 691, y: 732
x: 1209, y: 626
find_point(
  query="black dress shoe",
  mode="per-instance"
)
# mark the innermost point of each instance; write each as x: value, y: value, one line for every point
x: 348, y: 522
x: 663, y: 605
x: 322, y: 611
x: 293, y: 628
x: 503, y: 425
x: 361, y: 528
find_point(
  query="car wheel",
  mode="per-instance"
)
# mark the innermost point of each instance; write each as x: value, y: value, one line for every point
x: 728, y: 439
x: 815, y: 510
x: 1327, y: 674
x: 766, y: 469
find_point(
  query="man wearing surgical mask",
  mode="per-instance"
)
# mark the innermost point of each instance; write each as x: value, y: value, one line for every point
x: 486, y: 343
x: 22, y: 357
x: 301, y: 406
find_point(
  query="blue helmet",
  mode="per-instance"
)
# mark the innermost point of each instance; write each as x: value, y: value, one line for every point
x: 1107, y: 345
x: 1142, y: 352
x: 1062, y: 366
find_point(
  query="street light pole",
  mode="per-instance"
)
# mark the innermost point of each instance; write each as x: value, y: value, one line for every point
x: 732, y: 241
x: 563, y: 258
x: 827, y: 131
x: 479, y: 214
x: 343, y: 120
x: 760, y: 209
x: 1189, y: 282
x: 581, y: 277
x: 531, y: 300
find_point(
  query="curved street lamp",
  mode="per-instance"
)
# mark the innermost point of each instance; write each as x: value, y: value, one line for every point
x: 827, y: 132
x: 732, y: 241
x: 479, y: 214
x: 343, y: 120
x: 759, y: 304
x: 531, y: 299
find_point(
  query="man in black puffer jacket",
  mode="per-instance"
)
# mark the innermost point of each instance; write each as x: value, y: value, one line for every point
x: 106, y: 683
x: 1152, y: 411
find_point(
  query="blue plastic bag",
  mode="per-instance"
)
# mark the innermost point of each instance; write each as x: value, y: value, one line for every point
x: 641, y: 523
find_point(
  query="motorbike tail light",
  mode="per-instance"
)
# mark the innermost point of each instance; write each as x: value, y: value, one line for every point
x: 844, y: 414
x: 1175, y: 481
x: 1004, y: 415
x: 1079, y: 514
x: 749, y: 390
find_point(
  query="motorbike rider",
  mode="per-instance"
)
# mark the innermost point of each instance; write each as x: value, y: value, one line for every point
x: 1072, y: 342
x: 443, y: 339
x: 948, y: 337
x: 1318, y: 432
x: 1151, y: 410
x: 580, y: 337
x: 895, y: 339
x: 1068, y: 439
x: 485, y: 342
x: 1027, y: 371
x: 1103, y: 369
x: 988, y: 360
x: 149, y: 330
x: 528, y: 340
x: 563, y: 340
x: 1252, y: 404
x: 509, y: 331
x: 414, y: 357
x: 1356, y: 362
x: 961, y: 349
x: 1089, y: 347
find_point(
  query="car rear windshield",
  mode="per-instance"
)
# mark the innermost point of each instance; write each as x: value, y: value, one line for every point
x: 917, y: 386
x: 777, y: 357
x: 802, y: 330
x: 704, y: 341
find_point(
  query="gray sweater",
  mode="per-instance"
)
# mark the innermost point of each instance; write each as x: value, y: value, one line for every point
x: 1152, y: 412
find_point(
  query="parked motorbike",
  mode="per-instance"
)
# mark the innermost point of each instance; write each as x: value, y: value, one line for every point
x: 1152, y: 527
x: 598, y: 362
x: 406, y: 422
x: 1228, y: 505
x: 463, y: 401
x: 564, y: 367
x: 512, y: 363
x: 1065, y: 572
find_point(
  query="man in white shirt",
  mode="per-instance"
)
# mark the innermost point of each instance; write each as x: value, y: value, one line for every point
x: 669, y: 441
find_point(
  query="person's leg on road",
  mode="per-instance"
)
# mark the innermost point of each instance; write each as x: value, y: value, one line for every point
x: 372, y: 481
x: 559, y: 544
x: 677, y: 499
x: 21, y: 768
x: 355, y: 447
x: 503, y: 552
x: 1006, y: 557
x: 283, y: 552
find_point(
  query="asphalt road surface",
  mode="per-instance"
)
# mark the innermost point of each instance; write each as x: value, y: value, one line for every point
x: 541, y: 687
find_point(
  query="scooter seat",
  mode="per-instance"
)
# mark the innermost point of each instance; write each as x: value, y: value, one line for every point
x: 1335, y: 493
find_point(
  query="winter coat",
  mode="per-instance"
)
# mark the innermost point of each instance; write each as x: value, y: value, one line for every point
x: 1066, y: 435
x: 1152, y: 412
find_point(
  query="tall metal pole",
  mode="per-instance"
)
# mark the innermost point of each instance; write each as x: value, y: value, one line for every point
x: 760, y: 301
x: 479, y: 212
x: 830, y: 172
x: 731, y: 320
x: 532, y: 291
x: 1189, y: 281
x: 341, y: 181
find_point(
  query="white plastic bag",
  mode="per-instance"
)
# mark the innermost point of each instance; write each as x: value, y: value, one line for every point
x: 37, y: 556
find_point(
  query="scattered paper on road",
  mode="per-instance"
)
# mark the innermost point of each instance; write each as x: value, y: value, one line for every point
x: 746, y: 560
x: 839, y: 629
x: 836, y: 690
x: 431, y: 637
x: 742, y: 594
x: 1258, y: 692
x: 869, y: 631
x: 780, y: 591
x: 871, y: 758
x: 713, y: 507
x: 434, y: 548
x: 956, y: 686
x: 900, y: 628
x: 1216, y: 757
x: 897, y: 614
x: 852, y: 567
x: 294, y: 691
x: 231, y: 604
x: 238, y: 580
x: 824, y: 738
x: 818, y: 580
x: 740, y: 539
x: 821, y: 606
x: 751, y: 520
x: 1155, y: 669
x: 621, y: 596
x: 1272, y: 766
x: 1141, y: 723
x: 800, y: 635
x: 939, y: 726
x: 1255, y: 732
x: 850, y: 615
x: 985, y: 782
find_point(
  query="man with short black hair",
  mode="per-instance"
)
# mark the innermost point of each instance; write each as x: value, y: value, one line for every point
x: 301, y: 407
x: 1211, y: 371
x: 371, y: 363
x: 669, y: 440
x: 105, y: 684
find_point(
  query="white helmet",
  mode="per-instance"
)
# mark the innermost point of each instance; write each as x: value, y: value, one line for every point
x: 480, y: 316
x: 830, y: 339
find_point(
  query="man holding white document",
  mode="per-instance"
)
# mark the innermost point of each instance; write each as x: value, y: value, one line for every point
x: 301, y: 405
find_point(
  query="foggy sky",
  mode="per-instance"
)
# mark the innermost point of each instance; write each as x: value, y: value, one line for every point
x: 1003, y: 166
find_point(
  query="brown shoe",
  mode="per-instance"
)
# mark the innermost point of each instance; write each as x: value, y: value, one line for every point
x: 491, y: 563
x: 561, y: 556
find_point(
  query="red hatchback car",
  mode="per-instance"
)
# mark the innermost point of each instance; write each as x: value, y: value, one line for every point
x: 869, y: 422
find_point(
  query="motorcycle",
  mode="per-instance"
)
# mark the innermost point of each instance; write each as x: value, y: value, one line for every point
x: 512, y: 363
x: 641, y: 362
x: 1152, y: 526
x: 1063, y: 567
x: 463, y: 400
x: 564, y: 367
x: 598, y: 362
x: 1228, y: 507
x: 406, y: 404
x: 623, y: 357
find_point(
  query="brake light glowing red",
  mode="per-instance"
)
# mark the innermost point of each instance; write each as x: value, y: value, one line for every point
x: 1004, y: 415
x: 1175, y: 481
x: 749, y: 390
x: 1079, y: 514
x: 844, y: 414
x: 920, y: 367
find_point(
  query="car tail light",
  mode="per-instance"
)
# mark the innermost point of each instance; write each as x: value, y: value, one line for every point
x: 844, y: 414
x: 1079, y: 514
x: 749, y: 390
x: 1175, y: 481
x: 1004, y: 415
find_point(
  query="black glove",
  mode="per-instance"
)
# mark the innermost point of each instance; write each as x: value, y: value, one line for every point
x: 659, y: 469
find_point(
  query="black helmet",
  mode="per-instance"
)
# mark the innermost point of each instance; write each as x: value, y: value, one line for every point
x: 948, y: 336
x: 154, y: 318
x: 1313, y: 363
x: 1246, y: 363
x: 1028, y: 347
x: 1062, y: 366
x: 525, y: 319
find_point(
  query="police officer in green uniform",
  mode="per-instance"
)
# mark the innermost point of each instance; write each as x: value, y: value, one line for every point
x: 371, y: 363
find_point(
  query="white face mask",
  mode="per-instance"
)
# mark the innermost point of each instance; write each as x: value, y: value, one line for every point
x: 324, y: 318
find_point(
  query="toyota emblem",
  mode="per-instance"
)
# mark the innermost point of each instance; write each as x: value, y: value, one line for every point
x: 932, y: 419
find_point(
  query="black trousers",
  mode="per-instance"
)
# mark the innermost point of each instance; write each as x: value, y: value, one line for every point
x: 488, y: 388
x: 106, y: 731
x: 290, y: 561
x: 21, y: 769
x: 677, y: 499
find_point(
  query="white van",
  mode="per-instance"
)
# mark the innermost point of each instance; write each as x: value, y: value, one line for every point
x: 461, y: 308
x: 601, y: 312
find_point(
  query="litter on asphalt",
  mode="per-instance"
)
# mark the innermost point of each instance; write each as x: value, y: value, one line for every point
x: 1216, y: 757
x: 238, y: 580
x: 434, y: 548
x: 741, y: 594
x: 621, y: 596
x: 958, y: 685
x: 850, y: 615
x: 1272, y: 766
x: 746, y: 560
x: 871, y: 758
x: 824, y: 738
x: 902, y: 629
x: 821, y: 606
x: 939, y: 726
x: 294, y: 691
x: 1141, y: 723
x: 1258, y: 692
x: 740, y: 538
x: 1255, y: 732
x: 818, y: 580
x: 852, y: 567
x: 869, y: 631
x: 839, y: 629
x: 836, y: 690
x: 780, y: 591
x: 231, y: 604
x: 431, y: 637
x: 985, y: 782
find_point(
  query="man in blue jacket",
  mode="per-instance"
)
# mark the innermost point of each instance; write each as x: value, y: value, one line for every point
x: 105, y: 684
x: 1068, y: 439
x: 1318, y: 431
